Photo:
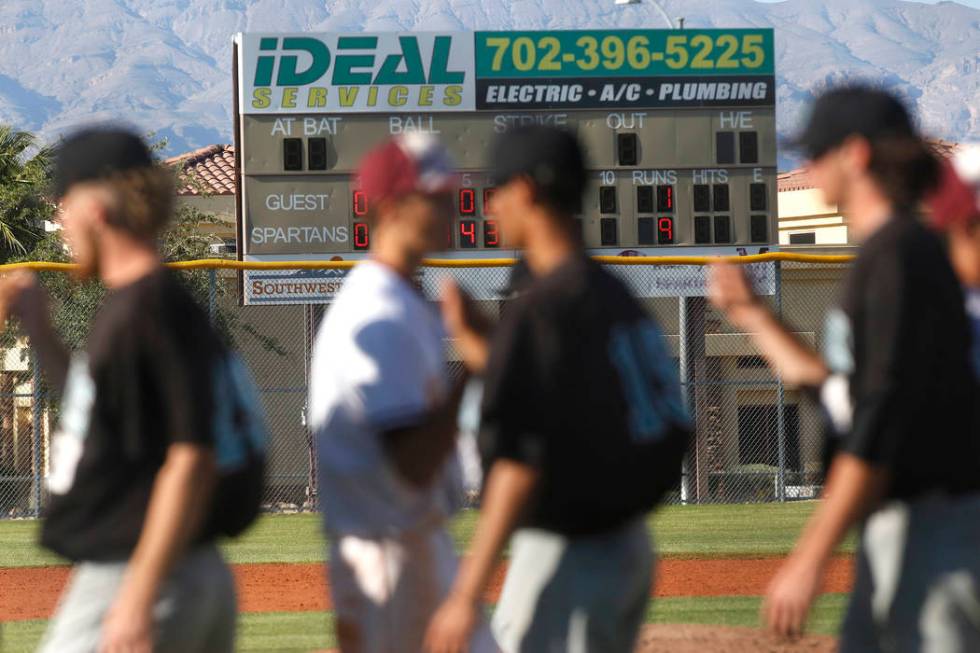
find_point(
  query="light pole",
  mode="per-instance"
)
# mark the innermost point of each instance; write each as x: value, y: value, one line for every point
x: 656, y: 4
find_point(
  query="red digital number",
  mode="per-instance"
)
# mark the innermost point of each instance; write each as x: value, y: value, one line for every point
x: 467, y: 201
x: 487, y: 198
x: 362, y: 235
x: 467, y: 234
x: 665, y: 231
x: 491, y: 235
x: 360, y: 203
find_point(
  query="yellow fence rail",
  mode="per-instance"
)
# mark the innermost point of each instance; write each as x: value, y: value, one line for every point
x: 746, y: 452
x: 225, y: 264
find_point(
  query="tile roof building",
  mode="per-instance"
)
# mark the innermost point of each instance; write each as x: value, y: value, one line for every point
x: 206, y: 182
x: 207, y: 171
x: 804, y: 218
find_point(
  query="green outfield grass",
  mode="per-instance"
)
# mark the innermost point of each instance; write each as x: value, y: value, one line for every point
x: 18, y: 545
x: 306, y: 631
x: 681, y: 531
x: 281, y: 632
x: 740, y: 611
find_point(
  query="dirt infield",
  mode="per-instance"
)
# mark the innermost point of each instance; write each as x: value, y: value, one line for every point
x: 691, y: 638
x: 31, y: 592
x: 694, y: 638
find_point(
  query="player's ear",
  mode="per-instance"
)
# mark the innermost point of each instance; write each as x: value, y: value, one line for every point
x: 103, y: 212
x: 524, y: 189
x: 384, y: 212
x: 856, y: 153
x: 93, y: 205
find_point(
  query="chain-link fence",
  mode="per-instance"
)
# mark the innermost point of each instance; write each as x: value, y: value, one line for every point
x: 756, y: 439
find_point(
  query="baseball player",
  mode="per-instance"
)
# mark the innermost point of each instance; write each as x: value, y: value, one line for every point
x: 132, y: 462
x: 384, y: 413
x: 472, y: 401
x: 955, y: 210
x: 583, y: 427
x: 896, y: 384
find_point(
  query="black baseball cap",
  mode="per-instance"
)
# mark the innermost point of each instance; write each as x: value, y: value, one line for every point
x: 96, y: 153
x: 551, y: 157
x: 855, y: 110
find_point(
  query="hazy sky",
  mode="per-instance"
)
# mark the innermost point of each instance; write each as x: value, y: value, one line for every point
x: 968, y: 3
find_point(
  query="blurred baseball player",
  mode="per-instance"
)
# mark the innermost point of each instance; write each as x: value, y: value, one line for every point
x: 384, y: 413
x: 955, y: 209
x: 896, y: 384
x: 583, y: 427
x: 132, y: 464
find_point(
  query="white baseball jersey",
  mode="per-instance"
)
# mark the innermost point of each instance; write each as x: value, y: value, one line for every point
x: 378, y: 364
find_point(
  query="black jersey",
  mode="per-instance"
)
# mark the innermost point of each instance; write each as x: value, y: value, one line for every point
x: 901, y: 340
x: 143, y: 382
x: 581, y: 387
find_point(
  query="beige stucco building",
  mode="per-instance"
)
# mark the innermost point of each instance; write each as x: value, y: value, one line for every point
x: 804, y: 218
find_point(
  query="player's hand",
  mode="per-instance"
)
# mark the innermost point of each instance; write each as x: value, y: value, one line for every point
x: 128, y: 628
x: 789, y: 597
x: 452, y: 626
x: 23, y: 297
x: 458, y: 312
x: 730, y: 292
x: 466, y: 326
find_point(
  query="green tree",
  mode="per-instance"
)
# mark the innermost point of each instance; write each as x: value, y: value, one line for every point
x: 24, y: 178
x: 188, y: 237
x: 74, y: 303
x: 25, y: 203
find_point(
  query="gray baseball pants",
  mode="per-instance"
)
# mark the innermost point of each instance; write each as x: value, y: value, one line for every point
x: 917, y: 581
x: 195, y: 611
x: 575, y: 594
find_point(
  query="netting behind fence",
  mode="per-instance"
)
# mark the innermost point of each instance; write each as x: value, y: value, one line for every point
x: 756, y: 439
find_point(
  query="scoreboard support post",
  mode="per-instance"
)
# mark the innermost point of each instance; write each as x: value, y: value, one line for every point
x: 312, y: 315
x: 780, y: 400
x: 694, y: 369
x: 683, y: 367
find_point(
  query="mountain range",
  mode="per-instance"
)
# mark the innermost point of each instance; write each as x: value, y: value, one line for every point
x: 165, y: 65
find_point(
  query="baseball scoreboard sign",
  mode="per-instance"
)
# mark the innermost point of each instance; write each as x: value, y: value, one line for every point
x: 678, y: 126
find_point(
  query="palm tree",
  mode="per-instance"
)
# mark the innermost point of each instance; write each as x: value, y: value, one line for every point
x: 24, y: 175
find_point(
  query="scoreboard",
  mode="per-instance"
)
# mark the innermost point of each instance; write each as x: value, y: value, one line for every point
x: 678, y: 127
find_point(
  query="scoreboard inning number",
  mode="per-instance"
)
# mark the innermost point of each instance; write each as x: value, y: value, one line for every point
x: 469, y: 233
